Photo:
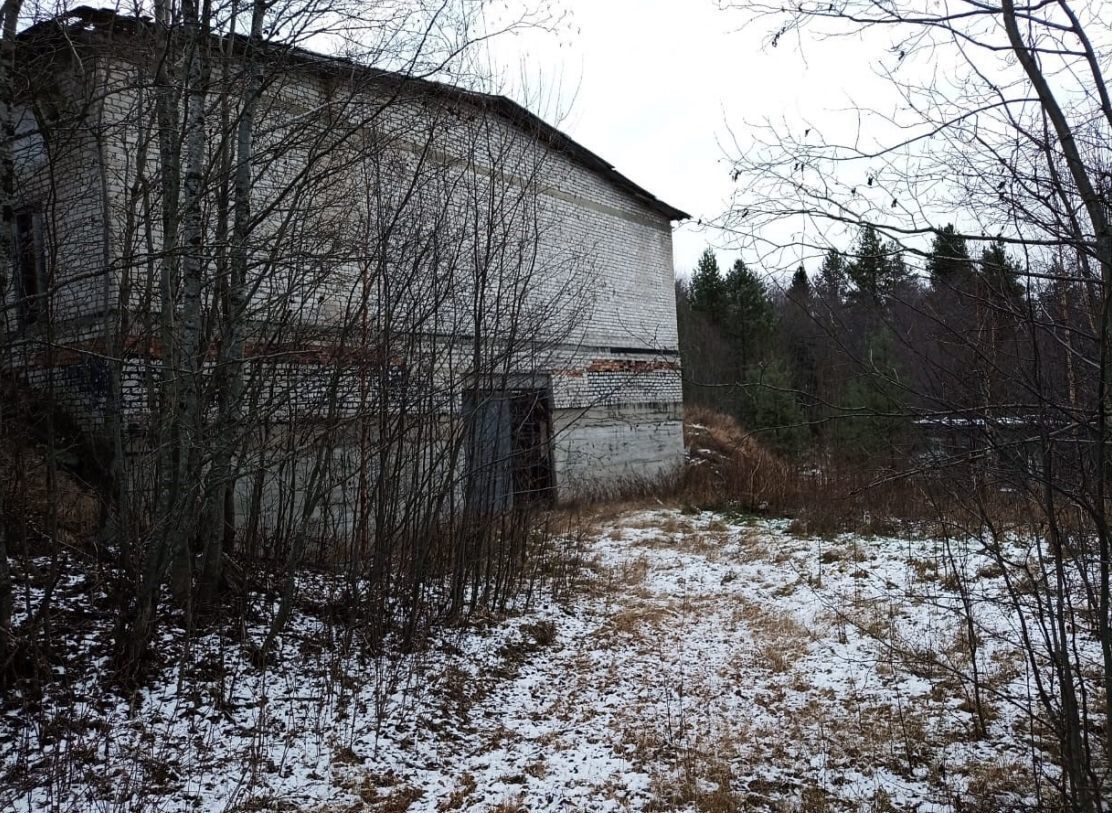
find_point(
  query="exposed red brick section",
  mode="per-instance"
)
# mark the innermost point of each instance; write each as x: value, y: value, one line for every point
x: 630, y: 365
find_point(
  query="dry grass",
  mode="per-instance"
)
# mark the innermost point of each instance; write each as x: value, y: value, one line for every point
x: 380, y: 792
x: 656, y: 542
x: 780, y: 640
x: 632, y: 572
x: 995, y: 786
x: 458, y: 797
x: 685, y: 771
x: 706, y: 785
x: 515, y: 804
x: 708, y: 545
x: 398, y: 800
x: 636, y: 620
x: 732, y: 470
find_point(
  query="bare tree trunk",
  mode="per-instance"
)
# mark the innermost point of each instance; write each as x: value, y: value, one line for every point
x: 1098, y: 214
x: 220, y: 533
x: 193, y: 264
x: 10, y: 11
x: 182, y: 363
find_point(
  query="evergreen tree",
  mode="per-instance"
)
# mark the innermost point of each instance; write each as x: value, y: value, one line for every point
x: 871, y: 422
x: 747, y: 298
x: 866, y: 271
x: 831, y: 285
x: 799, y: 291
x: 798, y: 336
x: 948, y: 262
x: 1000, y: 274
x: 748, y: 312
x: 709, y: 372
x: 707, y: 291
x: 897, y: 276
x: 877, y: 268
x: 773, y: 408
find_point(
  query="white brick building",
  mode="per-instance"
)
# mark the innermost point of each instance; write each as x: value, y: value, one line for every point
x: 410, y: 241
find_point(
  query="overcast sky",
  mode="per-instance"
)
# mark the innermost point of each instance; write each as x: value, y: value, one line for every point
x: 657, y: 86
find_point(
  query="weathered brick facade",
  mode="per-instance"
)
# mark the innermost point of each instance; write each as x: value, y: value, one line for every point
x: 593, y: 324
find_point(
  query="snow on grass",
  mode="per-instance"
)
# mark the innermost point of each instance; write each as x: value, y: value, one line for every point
x: 708, y: 664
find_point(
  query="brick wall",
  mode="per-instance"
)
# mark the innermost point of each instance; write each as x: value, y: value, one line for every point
x: 594, y: 263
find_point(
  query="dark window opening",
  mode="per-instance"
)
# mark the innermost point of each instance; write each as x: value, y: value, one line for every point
x: 641, y: 351
x: 531, y: 436
x: 30, y: 266
x: 510, y: 449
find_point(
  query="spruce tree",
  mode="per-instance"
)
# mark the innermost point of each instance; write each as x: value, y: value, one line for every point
x: 1000, y: 274
x: 831, y: 284
x: 878, y: 269
x: 772, y: 406
x: 870, y: 270
x: 948, y: 262
x: 797, y: 337
x: 749, y: 315
x: 747, y: 296
x: 873, y: 405
x: 707, y: 286
x: 799, y: 291
x: 897, y: 274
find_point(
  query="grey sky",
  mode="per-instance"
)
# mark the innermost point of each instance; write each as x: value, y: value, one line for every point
x: 656, y: 86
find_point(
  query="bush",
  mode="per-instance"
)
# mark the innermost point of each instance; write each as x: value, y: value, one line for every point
x: 729, y: 467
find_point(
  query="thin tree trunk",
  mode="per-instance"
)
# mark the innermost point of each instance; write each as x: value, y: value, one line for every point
x: 181, y: 366
x: 220, y: 533
x: 10, y: 10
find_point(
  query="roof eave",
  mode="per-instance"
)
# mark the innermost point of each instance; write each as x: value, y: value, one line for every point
x: 505, y: 106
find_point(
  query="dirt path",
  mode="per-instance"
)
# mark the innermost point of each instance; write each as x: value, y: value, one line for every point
x: 709, y: 664
x: 714, y: 667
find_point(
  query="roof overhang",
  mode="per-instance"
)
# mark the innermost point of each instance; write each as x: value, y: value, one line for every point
x: 83, y: 23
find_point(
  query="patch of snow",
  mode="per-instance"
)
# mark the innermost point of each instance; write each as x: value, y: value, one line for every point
x: 704, y: 655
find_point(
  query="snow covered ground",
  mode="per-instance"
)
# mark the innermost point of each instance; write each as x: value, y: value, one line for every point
x: 705, y: 663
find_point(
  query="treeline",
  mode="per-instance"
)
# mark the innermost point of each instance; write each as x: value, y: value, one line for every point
x: 962, y: 390
x: 869, y: 354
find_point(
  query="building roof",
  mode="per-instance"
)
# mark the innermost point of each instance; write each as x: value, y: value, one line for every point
x: 81, y: 22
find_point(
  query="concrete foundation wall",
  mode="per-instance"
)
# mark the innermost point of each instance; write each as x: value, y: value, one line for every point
x: 604, y: 449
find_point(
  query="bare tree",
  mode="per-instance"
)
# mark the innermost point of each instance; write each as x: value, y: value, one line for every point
x: 317, y: 271
x: 1013, y: 145
x: 10, y: 17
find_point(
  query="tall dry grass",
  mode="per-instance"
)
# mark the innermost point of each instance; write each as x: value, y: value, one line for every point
x: 730, y: 469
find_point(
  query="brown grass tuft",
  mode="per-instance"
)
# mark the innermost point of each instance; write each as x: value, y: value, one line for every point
x: 728, y: 466
x: 730, y: 469
x: 460, y: 795
x: 512, y: 805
